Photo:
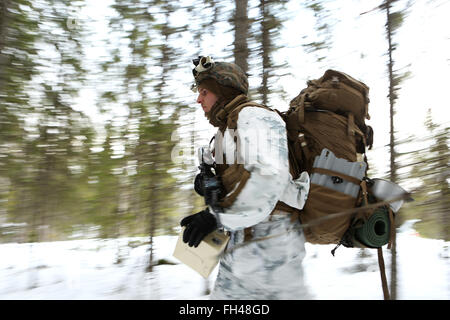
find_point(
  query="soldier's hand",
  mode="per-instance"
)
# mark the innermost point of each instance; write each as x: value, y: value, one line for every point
x: 198, y: 226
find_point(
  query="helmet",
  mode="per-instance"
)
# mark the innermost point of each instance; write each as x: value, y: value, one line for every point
x: 226, y: 74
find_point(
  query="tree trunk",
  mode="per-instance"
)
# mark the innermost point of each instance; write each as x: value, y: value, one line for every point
x: 152, y: 229
x: 265, y: 52
x: 241, y: 34
x: 3, y: 34
x: 393, y: 166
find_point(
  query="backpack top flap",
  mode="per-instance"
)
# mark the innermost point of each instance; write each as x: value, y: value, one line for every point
x: 341, y: 76
x: 333, y: 78
x: 337, y: 92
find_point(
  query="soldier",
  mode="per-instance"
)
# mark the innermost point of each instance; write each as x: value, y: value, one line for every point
x: 259, y: 199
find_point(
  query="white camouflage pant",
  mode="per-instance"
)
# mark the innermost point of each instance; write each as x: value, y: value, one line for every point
x: 269, y: 269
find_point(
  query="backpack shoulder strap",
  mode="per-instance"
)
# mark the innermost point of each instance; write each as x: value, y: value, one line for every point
x: 234, y: 115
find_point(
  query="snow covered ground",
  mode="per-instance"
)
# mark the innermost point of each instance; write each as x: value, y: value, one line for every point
x: 87, y: 269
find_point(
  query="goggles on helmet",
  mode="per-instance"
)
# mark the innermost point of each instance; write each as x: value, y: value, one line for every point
x: 201, y: 64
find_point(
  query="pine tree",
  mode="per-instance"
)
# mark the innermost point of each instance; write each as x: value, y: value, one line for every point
x: 394, y: 20
x: 321, y: 41
x: 42, y: 74
x: 152, y: 106
x: 18, y: 34
x: 430, y: 168
x: 270, y: 24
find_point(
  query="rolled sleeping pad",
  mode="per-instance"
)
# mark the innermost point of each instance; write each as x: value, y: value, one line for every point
x: 375, y: 231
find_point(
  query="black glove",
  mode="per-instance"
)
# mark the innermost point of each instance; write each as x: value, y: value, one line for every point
x: 198, y: 226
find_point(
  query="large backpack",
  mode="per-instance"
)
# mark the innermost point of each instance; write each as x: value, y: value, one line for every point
x: 326, y: 122
x: 329, y: 113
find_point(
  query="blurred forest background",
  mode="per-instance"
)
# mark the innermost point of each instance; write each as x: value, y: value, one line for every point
x: 98, y: 127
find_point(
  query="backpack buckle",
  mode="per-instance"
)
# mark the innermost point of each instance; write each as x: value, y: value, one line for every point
x: 337, y: 179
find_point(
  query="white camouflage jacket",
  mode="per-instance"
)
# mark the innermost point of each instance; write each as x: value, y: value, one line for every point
x: 271, y: 268
x: 262, y: 148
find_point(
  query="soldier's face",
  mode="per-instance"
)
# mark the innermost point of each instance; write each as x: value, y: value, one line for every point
x: 206, y: 98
